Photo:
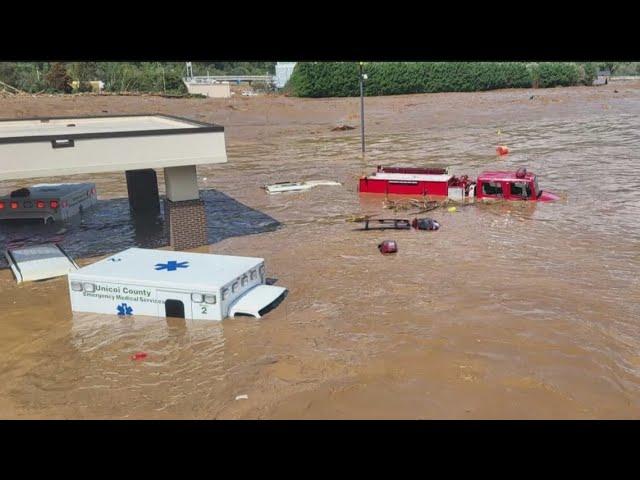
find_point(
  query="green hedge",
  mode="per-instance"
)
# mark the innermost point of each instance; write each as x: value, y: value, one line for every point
x: 545, y: 75
x: 340, y: 79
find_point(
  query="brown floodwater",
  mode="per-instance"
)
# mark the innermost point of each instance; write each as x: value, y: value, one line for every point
x: 508, y: 311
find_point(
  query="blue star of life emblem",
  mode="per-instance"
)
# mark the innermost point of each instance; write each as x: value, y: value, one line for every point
x: 171, y: 265
x: 124, y: 309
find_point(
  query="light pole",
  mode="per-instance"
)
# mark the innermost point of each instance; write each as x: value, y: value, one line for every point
x: 363, y: 77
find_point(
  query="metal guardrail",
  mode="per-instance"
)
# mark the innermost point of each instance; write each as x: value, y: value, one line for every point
x: 204, y: 80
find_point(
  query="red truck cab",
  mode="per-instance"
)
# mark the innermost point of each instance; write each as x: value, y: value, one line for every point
x: 519, y: 185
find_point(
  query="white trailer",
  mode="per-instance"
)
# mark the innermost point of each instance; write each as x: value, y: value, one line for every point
x: 165, y: 283
x: 48, y: 202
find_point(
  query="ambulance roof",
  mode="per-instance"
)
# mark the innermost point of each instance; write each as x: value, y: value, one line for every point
x: 168, y: 269
x: 54, y: 190
x: 39, y: 262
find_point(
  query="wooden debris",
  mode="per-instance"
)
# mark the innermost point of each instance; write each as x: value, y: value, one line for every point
x: 6, y: 88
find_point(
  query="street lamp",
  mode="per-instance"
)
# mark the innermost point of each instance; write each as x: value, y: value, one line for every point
x: 363, y: 77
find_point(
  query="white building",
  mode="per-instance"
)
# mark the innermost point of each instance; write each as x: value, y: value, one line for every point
x: 283, y: 73
x: 208, y: 88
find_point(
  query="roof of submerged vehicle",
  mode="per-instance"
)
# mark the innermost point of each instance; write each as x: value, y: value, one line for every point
x: 505, y: 176
x: 169, y: 269
x: 39, y: 262
x: 53, y: 190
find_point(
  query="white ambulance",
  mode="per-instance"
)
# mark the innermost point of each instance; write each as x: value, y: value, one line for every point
x: 49, y: 202
x: 165, y: 283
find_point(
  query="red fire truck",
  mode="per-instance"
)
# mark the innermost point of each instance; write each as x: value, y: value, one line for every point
x: 436, y: 181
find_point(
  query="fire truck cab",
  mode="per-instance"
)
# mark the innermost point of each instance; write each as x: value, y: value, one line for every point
x: 519, y: 185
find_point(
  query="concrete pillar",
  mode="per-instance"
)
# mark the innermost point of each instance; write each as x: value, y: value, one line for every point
x: 184, y: 210
x: 142, y: 187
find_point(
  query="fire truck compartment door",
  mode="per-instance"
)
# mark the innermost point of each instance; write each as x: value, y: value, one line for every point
x: 257, y: 300
x: 39, y: 262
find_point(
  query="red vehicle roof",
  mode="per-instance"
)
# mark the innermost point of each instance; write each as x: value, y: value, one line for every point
x: 504, y: 176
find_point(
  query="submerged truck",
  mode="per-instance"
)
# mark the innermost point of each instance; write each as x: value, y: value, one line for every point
x: 165, y: 283
x: 438, y: 182
x: 49, y: 202
x: 521, y: 185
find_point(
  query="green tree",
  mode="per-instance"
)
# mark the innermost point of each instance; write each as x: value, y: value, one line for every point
x: 8, y: 73
x: 83, y: 71
x: 57, y: 78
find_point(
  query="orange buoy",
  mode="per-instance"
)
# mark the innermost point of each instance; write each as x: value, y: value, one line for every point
x: 502, y: 150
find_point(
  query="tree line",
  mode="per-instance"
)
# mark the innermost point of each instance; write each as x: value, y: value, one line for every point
x: 118, y: 77
x: 310, y: 79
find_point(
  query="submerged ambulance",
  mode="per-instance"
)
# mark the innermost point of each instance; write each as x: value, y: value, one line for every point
x: 167, y: 283
x: 49, y: 202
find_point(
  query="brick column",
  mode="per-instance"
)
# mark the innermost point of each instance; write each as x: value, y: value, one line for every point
x: 187, y: 223
x: 184, y: 210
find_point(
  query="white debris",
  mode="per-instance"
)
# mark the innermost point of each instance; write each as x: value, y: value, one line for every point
x: 297, y: 186
x: 242, y: 397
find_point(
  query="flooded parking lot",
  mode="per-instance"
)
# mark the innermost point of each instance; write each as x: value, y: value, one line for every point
x: 508, y: 311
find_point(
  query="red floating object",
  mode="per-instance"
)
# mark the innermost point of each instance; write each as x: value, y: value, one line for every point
x: 502, y: 150
x: 139, y: 356
x: 388, y: 246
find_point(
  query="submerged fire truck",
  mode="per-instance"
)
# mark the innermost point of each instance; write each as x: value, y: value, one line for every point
x: 436, y: 181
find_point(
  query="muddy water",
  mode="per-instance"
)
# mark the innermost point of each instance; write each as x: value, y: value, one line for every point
x: 508, y: 311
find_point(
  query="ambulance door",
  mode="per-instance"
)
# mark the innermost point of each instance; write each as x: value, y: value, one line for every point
x: 174, y: 304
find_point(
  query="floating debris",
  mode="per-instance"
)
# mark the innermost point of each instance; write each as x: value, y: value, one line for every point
x: 283, y: 187
x: 422, y: 205
x: 386, y: 224
x: 358, y: 218
x: 342, y: 127
x: 502, y: 150
x: 425, y: 224
x: 388, y: 246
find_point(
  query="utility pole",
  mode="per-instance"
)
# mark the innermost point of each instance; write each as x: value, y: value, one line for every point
x: 363, y: 77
